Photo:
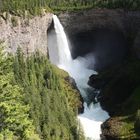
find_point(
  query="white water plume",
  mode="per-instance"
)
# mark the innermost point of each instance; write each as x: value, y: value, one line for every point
x: 93, y: 116
x: 64, y: 52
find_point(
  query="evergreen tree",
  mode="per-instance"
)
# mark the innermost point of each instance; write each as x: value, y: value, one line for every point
x: 14, y: 116
x: 35, y: 7
x: 52, y: 100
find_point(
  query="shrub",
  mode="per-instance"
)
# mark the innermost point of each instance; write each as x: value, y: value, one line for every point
x: 14, y: 21
x: 137, y: 122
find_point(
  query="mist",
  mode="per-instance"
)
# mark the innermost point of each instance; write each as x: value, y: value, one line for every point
x: 108, y: 47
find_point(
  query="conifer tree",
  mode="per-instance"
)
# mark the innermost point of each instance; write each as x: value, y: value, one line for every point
x: 14, y: 116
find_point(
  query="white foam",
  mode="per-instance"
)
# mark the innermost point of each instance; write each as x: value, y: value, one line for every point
x: 91, y: 120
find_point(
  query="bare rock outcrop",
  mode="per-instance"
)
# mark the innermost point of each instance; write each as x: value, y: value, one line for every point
x: 29, y: 33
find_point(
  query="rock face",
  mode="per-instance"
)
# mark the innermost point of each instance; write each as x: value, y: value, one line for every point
x: 29, y: 34
x: 106, y: 35
x: 125, y: 21
x: 110, y: 129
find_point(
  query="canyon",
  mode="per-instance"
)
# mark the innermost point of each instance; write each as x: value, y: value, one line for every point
x: 112, y: 37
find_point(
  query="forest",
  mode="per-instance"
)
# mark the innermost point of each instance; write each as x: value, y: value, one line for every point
x: 35, y: 7
x: 37, y: 102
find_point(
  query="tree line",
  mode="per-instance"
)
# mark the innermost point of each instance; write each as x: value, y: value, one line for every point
x: 35, y: 6
x: 15, y: 122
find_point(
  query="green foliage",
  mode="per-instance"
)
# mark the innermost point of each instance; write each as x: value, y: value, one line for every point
x: 130, y: 120
x: 19, y: 7
x: 124, y: 4
x: 14, y: 21
x: 53, y: 103
x: 137, y: 122
x: 35, y: 7
x: 14, y: 118
x: 35, y: 97
x: 127, y: 120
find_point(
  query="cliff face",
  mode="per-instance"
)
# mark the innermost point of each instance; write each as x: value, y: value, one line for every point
x: 29, y: 33
x: 125, y: 22
x: 108, y: 35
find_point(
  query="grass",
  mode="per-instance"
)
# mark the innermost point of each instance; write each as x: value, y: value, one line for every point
x: 127, y: 129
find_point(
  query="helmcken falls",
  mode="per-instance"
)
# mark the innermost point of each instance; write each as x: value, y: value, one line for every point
x: 60, y: 55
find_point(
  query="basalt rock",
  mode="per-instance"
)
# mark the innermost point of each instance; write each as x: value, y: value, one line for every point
x: 117, y: 87
x: 110, y: 129
x: 97, y: 82
x: 127, y: 22
x: 110, y: 35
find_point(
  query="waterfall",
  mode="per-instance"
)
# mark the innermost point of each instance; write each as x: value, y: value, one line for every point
x: 63, y: 52
x: 93, y: 115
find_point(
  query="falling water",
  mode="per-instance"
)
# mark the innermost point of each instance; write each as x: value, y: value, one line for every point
x: 63, y: 52
x: 93, y: 115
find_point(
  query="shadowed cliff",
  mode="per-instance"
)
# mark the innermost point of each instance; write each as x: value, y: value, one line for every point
x: 108, y: 34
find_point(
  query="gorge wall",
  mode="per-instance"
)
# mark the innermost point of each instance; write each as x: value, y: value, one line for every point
x: 113, y: 31
x: 101, y: 18
x: 80, y: 26
x: 28, y: 33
